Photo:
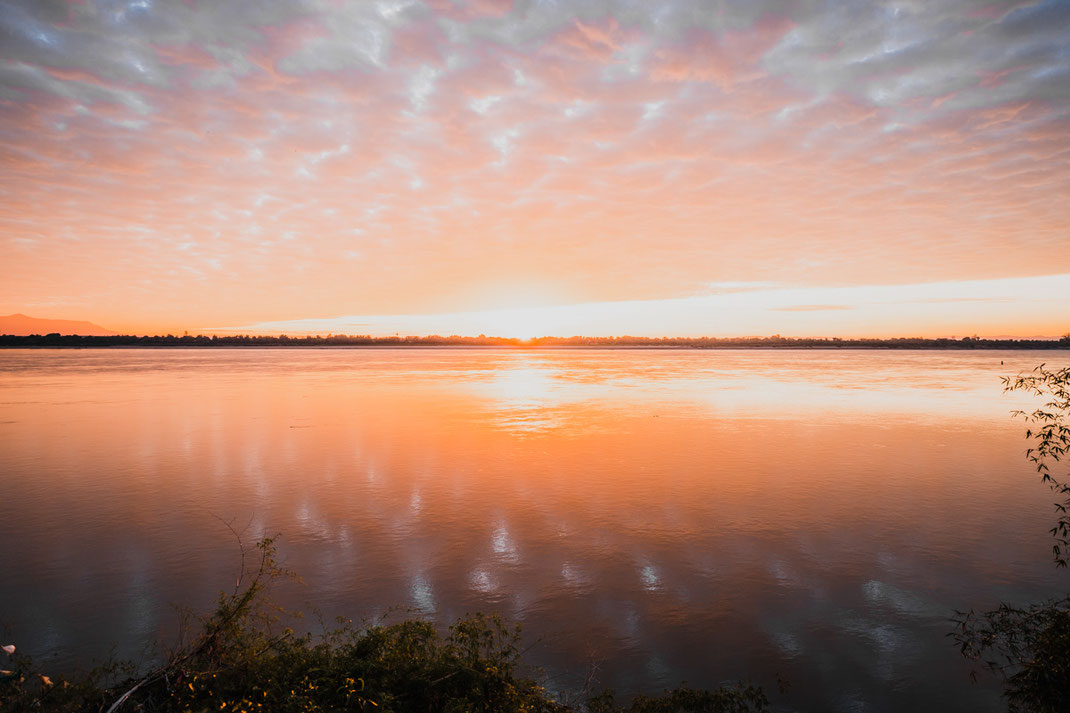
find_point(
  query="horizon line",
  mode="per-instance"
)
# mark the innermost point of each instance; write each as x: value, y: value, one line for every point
x: 462, y: 338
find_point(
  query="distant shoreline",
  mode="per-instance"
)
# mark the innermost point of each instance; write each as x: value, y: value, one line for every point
x: 57, y: 341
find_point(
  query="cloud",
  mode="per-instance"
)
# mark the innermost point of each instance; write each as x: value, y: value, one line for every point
x: 926, y: 309
x: 601, y: 150
x: 945, y: 300
x: 811, y: 308
x: 889, y: 54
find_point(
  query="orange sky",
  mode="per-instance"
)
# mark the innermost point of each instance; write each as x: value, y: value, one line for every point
x: 681, y: 168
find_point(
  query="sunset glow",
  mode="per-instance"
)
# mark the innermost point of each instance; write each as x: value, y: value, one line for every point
x: 534, y: 167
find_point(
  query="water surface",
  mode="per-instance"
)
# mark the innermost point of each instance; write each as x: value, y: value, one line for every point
x: 657, y: 516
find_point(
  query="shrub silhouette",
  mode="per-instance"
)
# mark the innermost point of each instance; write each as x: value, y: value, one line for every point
x: 241, y: 659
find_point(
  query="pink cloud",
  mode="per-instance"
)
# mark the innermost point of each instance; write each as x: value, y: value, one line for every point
x: 493, y: 8
x: 723, y: 59
x: 596, y: 42
x: 186, y: 55
x: 995, y: 79
x: 418, y: 43
x: 467, y: 10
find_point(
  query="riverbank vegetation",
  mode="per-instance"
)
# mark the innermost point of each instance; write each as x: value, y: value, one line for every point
x: 241, y: 658
x: 362, y: 340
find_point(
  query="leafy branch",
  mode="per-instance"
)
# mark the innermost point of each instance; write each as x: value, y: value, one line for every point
x: 1049, y: 431
x: 1029, y: 648
x: 225, y: 633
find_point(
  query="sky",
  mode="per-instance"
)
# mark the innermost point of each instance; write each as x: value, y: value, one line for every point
x: 529, y: 167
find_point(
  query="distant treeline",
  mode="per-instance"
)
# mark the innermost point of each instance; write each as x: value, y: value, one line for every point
x: 348, y: 340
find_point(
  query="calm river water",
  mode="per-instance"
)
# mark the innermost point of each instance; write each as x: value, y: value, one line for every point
x: 655, y: 516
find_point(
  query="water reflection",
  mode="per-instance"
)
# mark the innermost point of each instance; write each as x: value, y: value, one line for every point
x: 423, y: 596
x: 680, y: 515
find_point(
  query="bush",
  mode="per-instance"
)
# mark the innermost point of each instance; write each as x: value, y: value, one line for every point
x: 1029, y: 648
x: 241, y: 660
x: 741, y: 698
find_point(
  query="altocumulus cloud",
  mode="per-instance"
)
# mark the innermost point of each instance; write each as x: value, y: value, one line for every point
x: 237, y: 162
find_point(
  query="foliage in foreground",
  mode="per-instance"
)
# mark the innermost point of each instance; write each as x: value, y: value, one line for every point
x: 1049, y: 430
x: 1030, y: 647
x: 242, y: 661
